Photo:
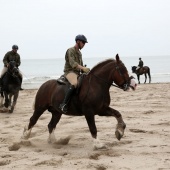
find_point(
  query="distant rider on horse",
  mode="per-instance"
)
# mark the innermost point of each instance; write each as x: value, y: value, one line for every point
x: 10, y: 56
x: 73, y: 68
x: 140, y: 65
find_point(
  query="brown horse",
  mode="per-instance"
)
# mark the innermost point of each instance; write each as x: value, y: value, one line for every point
x: 11, y: 84
x: 144, y: 70
x: 92, y: 98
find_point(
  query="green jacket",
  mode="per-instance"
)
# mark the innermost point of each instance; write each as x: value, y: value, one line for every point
x: 11, y: 56
x: 72, y: 59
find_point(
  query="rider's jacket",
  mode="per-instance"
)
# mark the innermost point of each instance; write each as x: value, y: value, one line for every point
x: 72, y: 58
x: 140, y: 63
x: 11, y: 56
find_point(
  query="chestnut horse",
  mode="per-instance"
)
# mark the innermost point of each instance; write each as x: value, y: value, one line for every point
x: 92, y: 98
x: 144, y: 70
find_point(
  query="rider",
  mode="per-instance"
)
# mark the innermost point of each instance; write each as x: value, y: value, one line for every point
x: 140, y: 65
x: 10, y: 56
x: 73, y: 68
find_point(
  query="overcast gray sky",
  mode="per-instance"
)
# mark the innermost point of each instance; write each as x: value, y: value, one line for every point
x: 46, y: 28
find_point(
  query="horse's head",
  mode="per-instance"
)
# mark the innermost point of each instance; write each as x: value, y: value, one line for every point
x: 134, y: 69
x: 121, y: 77
x: 13, y: 69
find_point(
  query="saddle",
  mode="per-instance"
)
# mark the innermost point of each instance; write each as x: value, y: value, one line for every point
x: 63, y: 80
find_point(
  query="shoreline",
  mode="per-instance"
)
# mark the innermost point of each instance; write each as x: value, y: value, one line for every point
x: 36, y: 87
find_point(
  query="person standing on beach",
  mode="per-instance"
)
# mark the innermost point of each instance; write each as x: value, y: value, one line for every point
x: 140, y: 65
x: 10, y: 56
x: 73, y: 68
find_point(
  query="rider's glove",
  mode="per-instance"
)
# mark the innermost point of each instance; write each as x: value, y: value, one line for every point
x: 85, y: 69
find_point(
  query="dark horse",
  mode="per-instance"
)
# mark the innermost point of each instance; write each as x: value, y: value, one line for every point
x: 144, y: 70
x: 91, y: 98
x: 11, y: 84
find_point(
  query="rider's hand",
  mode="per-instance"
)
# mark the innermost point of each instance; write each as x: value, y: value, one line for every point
x: 85, y: 69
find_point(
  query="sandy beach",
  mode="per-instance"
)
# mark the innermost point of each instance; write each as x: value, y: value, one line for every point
x: 144, y: 146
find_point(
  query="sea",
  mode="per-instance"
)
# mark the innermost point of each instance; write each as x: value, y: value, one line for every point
x: 37, y: 71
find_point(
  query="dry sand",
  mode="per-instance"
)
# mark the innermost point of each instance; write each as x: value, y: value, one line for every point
x: 145, y: 145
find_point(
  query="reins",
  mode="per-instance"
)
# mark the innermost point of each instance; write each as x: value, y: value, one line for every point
x: 106, y: 81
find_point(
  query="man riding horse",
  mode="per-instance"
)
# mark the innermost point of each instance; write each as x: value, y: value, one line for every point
x: 73, y: 68
x: 140, y: 65
x: 10, y: 56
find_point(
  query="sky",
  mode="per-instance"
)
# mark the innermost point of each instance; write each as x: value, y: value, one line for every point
x: 47, y: 28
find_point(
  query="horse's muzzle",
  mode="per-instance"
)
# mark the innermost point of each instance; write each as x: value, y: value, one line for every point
x: 133, y: 84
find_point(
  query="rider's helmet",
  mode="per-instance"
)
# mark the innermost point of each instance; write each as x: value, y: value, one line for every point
x: 81, y: 38
x: 139, y: 58
x: 15, y: 47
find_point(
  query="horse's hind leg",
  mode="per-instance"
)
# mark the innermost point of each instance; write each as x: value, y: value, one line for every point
x: 33, y: 120
x: 52, y: 125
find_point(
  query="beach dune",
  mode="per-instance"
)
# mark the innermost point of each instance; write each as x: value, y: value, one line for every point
x: 145, y: 144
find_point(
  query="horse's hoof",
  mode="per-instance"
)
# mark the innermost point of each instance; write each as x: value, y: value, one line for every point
x: 97, y: 145
x: 118, y: 134
x: 10, y: 111
x: 26, y: 133
x: 120, y: 127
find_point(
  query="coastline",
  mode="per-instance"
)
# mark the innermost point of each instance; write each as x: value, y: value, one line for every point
x: 145, y: 144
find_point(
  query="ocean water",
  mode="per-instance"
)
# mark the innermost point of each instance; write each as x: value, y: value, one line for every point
x: 37, y: 71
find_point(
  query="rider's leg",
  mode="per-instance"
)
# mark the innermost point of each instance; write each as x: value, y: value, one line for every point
x: 72, y: 78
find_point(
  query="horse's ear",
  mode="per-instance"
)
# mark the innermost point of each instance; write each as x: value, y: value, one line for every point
x: 117, y: 58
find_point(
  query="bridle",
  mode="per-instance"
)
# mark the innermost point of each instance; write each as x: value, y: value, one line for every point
x: 12, y: 71
x: 125, y: 86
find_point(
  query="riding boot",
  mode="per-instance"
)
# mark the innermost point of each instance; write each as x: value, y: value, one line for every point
x: 63, y: 105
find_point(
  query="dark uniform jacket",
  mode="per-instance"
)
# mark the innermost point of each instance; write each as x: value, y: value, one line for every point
x: 11, y: 56
x: 72, y: 58
x: 140, y: 63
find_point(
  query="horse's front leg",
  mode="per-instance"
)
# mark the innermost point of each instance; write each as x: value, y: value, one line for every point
x: 145, y: 78
x: 120, y: 127
x: 6, y: 103
x: 138, y: 78
x: 12, y: 106
x: 92, y: 127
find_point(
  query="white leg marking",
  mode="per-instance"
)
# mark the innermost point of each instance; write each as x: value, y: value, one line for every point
x: 98, y: 145
x: 26, y: 133
x: 51, y: 138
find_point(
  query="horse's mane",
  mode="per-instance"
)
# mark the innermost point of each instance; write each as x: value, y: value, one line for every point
x: 101, y: 64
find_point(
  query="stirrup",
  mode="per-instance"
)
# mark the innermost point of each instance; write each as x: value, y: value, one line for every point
x: 63, y: 107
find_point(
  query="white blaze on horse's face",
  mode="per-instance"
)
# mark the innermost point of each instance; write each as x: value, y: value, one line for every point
x: 133, y: 84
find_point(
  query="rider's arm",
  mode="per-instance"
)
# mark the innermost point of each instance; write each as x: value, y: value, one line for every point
x: 5, y: 60
x: 18, y: 61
